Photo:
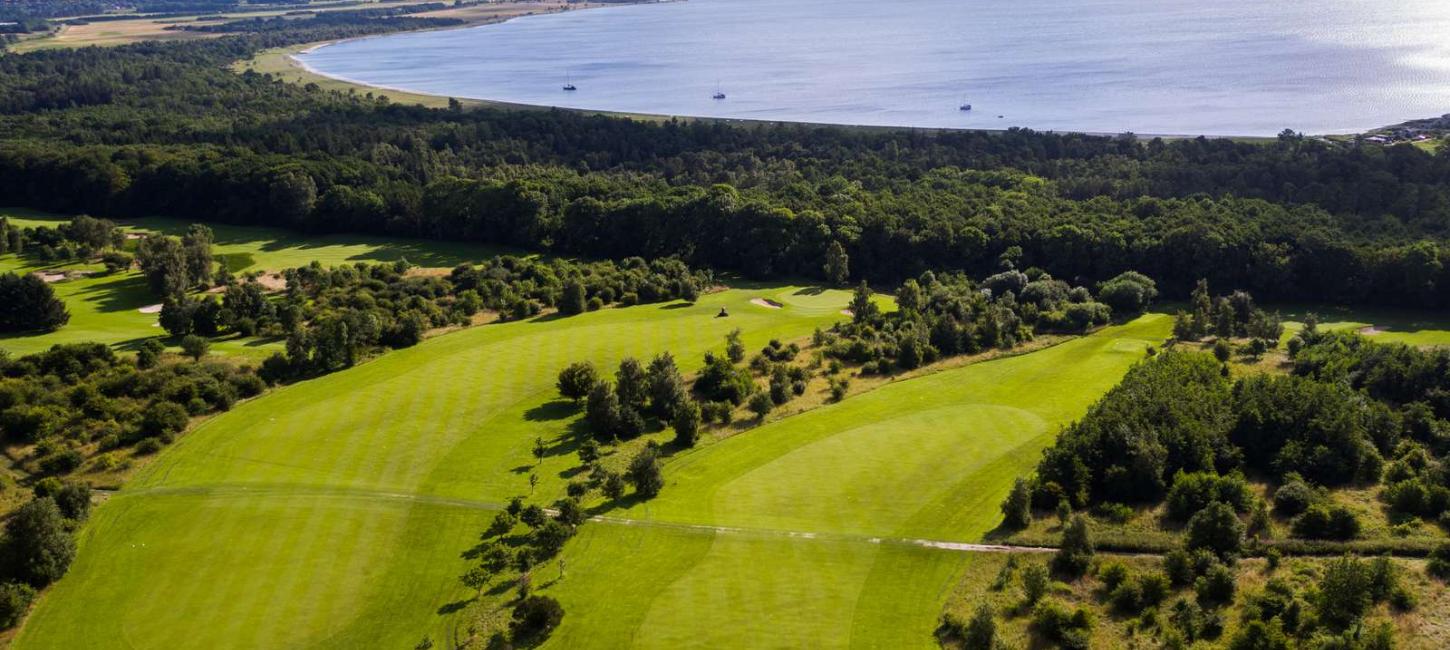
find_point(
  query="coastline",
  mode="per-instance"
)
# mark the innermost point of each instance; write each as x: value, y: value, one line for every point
x: 294, y: 63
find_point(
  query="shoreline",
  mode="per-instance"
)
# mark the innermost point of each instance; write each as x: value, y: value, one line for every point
x: 666, y: 117
x: 433, y: 100
x: 422, y: 97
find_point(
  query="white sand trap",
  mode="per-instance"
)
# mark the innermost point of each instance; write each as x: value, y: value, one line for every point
x: 1370, y: 330
x: 151, y: 309
x: 766, y: 303
x: 51, y: 277
x: 847, y: 312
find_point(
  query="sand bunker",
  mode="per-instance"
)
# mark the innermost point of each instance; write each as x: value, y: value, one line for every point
x: 51, y: 277
x: 151, y: 309
x: 766, y: 303
x: 1370, y: 330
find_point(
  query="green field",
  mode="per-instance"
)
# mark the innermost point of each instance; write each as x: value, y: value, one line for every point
x: 105, y: 308
x: 331, y: 513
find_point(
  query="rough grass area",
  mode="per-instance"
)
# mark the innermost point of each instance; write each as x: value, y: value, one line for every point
x: 1421, y: 628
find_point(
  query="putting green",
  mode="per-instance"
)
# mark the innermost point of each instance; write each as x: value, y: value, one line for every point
x: 815, y: 530
x: 331, y: 513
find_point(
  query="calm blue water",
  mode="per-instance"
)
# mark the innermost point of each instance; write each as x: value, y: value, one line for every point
x: 1218, y: 67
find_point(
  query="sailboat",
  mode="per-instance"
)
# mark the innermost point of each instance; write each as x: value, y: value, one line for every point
x: 569, y: 85
x: 718, y: 94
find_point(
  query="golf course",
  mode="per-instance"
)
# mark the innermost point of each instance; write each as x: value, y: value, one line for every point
x: 332, y: 512
x: 106, y: 307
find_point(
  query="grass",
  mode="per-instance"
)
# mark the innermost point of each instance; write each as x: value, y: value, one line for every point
x: 821, y: 509
x: 105, y: 307
x: 344, y: 501
x: 331, y: 513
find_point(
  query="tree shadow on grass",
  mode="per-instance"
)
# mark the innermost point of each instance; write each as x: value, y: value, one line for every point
x: 677, y: 305
x: 810, y: 291
x: 555, y: 410
x: 553, y: 316
x: 454, y: 606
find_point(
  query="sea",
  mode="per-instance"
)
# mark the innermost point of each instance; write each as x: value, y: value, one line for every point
x: 1151, y: 67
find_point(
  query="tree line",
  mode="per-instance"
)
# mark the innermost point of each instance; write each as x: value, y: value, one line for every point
x: 1296, y: 218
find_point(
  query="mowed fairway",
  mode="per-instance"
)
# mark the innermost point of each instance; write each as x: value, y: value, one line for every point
x: 824, y: 519
x: 331, y: 513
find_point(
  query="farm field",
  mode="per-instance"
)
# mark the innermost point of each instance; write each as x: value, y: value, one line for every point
x: 346, y: 500
x: 105, y: 307
x: 146, y: 28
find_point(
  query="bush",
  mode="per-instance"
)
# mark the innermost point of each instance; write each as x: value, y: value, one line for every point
x: 981, y: 632
x: 761, y: 404
x: 1076, y: 552
x: 1216, y: 528
x: 37, y: 544
x: 1017, y: 507
x: 1327, y: 522
x: 534, y: 618
x: 1439, y: 564
x: 1193, y: 492
x: 1215, y: 587
x: 1113, y: 574
x: 1294, y: 497
x: 1055, y: 623
x: 1034, y: 582
x: 1116, y: 513
x: 15, y: 599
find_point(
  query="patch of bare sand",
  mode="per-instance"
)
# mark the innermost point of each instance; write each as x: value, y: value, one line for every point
x: 766, y: 303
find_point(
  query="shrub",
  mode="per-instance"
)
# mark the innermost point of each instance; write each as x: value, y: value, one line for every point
x: 1438, y: 565
x: 1216, y: 528
x: 1116, y: 513
x: 1327, y: 522
x: 37, y: 544
x: 761, y: 404
x: 534, y: 618
x: 1294, y: 497
x: 981, y: 632
x: 1215, y: 587
x: 15, y: 599
x: 1076, y: 552
x: 1017, y: 507
x: 1113, y: 574
x: 1193, y: 492
x: 1070, y: 630
x: 1178, y: 567
x: 1034, y: 582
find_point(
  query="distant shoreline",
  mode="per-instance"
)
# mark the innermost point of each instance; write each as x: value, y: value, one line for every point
x: 298, y: 62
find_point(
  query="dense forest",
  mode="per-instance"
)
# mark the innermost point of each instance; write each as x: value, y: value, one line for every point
x: 169, y: 129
